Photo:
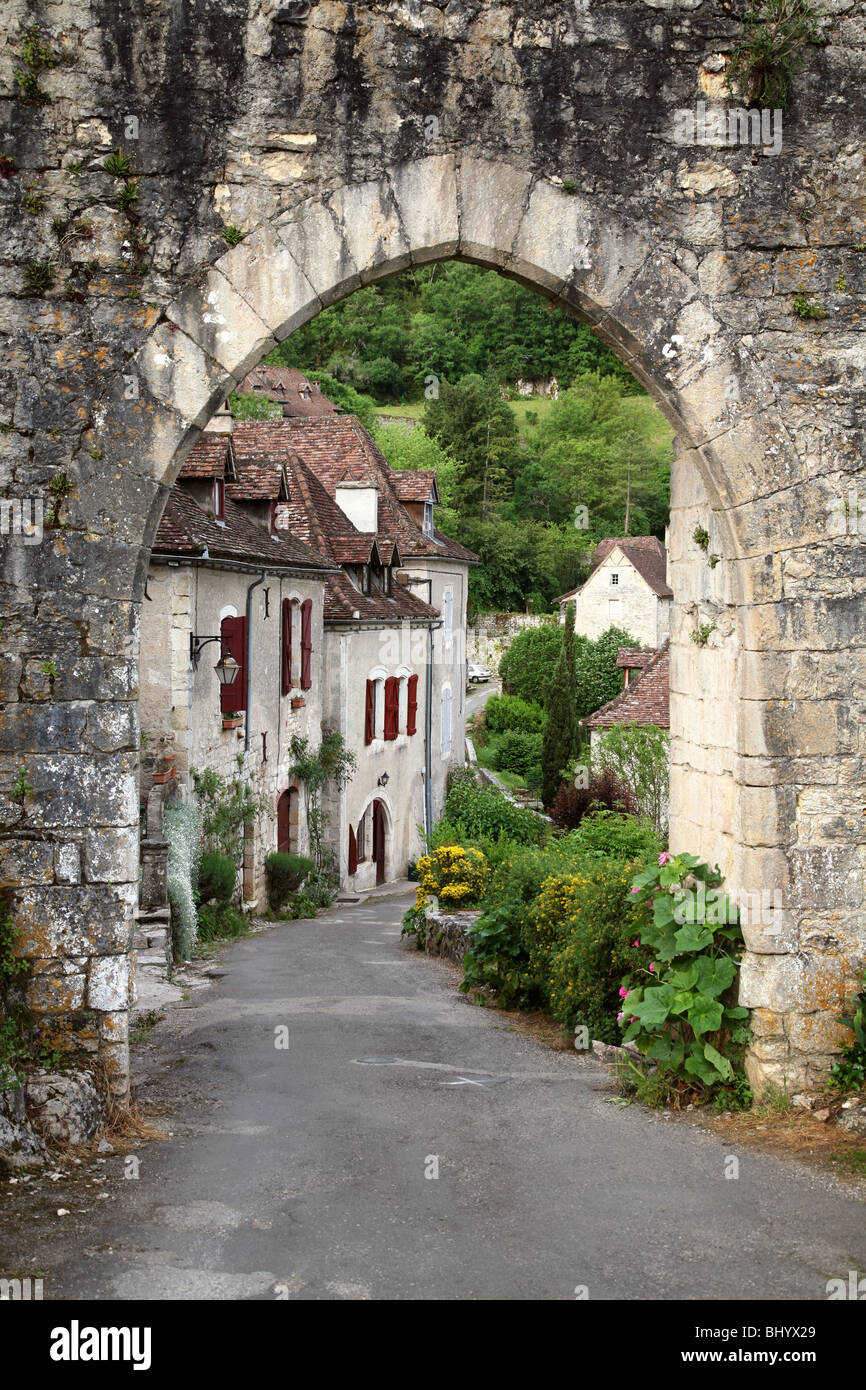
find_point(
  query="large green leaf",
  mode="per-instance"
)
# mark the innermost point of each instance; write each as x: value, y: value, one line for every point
x: 715, y: 976
x: 705, y: 1015
x: 693, y: 937
x: 654, y: 1007
x: 721, y: 1064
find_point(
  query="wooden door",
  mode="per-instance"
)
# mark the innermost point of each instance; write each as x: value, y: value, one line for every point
x: 379, y: 840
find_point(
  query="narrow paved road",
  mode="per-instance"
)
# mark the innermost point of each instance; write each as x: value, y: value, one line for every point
x: 302, y: 1170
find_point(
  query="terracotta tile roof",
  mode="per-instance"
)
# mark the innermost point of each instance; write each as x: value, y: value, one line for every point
x: 415, y: 485
x: 185, y: 529
x: 315, y: 518
x: 645, y: 700
x: 259, y: 478
x: 338, y: 450
x: 289, y: 387
x: 635, y: 658
x: 210, y: 457
x: 646, y: 553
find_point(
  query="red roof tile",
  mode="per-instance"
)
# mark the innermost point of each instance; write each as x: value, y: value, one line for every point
x: 297, y: 395
x: 187, y: 530
x: 210, y: 457
x: 645, y: 700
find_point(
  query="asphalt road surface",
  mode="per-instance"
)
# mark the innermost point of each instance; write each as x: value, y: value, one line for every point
x: 307, y: 1171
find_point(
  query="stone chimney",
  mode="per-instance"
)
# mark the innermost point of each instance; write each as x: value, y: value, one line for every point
x: 360, y: 503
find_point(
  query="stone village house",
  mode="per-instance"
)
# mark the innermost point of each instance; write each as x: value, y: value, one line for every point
x: 627, y: 588
x: 323, y: 576
x: 219, y: 585
x: 394, y: 630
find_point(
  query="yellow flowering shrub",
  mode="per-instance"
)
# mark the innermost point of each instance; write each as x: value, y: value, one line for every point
x: 457, y: 877
x: 558, y: 902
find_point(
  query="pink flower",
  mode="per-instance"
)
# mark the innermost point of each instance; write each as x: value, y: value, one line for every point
x: 635, y: 890
x: 620, y: 1017
x: 633, y: 1018
x: 652, y: 966
x: 665, y: 858
x: 622, y: 991
x: 635, y: 943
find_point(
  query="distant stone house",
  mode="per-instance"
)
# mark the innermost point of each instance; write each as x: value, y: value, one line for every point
x: 394, y: 625
x: 645, y: 698
x: 220, y: 586
x: 293, y: 392
x: 627, y: 588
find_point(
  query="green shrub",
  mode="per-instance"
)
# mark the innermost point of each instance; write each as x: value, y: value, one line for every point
x: 221, y: 923
x: 590, y: 951
x: 485, y: 811
x: 605, y: 834
x: 216, y: 877
x: 517, y: 751
x: 504, y: 713
x: 849, y: 1073
x: 285, y: 874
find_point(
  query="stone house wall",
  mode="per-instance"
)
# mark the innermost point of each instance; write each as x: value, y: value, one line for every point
x: 180, y: 705
x: 629, y: 604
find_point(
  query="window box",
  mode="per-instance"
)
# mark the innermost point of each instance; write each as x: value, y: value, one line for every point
x: 298, y: 702
x: 232, y: 721
x: 160, y: 778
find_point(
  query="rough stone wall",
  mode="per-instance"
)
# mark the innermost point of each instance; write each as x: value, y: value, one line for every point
x: 539, y: 138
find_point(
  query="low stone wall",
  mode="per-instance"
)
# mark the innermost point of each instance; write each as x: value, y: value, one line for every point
x: 493, y: 633
x: 447, y: 933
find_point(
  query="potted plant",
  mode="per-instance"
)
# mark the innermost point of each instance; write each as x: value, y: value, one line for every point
x: 298, y: 702
x: 233, y: 719
x: 164, y: 772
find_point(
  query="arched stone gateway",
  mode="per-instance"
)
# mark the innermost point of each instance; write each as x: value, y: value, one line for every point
x: 351, y: 141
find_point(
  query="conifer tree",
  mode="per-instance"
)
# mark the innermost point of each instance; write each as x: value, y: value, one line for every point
x: 560, y: 736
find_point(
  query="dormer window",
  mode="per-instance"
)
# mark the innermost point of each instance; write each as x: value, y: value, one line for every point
x: 272, y: 520
x: 365, y: 579
x: 219, y: 499
x: 428, y: 518
x: 386, y: 580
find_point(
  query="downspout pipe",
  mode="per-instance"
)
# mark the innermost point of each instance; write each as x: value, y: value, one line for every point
x: 249, y: 667
x: 428, y: 735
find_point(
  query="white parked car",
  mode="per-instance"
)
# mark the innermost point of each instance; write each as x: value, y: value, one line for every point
x: 476, y: 673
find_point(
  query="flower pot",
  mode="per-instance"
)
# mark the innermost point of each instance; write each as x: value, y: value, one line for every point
x: 232, y: 723
x: 298, y: 702
x: 160, y: 778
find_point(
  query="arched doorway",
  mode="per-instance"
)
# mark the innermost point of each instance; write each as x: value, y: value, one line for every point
x: 756, y: 716
x: 379, y: 838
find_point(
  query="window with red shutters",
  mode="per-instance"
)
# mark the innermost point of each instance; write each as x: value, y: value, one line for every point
x: 370, y: 713
x: 392, y: 706
x: 353, y: 852
x: 234, y: 643
x: 412, y: 705
x: 287, y: 645
x: 306, y: 643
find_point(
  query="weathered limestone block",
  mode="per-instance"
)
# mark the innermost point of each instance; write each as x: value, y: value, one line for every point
x: 65, y: 1106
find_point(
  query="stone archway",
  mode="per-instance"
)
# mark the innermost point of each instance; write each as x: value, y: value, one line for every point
x: 664, y: 251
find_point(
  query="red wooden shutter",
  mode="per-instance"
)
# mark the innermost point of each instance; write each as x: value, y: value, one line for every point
x: 353, y: 852
x: 306, y: 642
x: 392, y: 706
x: 412, y: 705
x: 287, y: 645
x: 370, y: 713
x: 234, y: 643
